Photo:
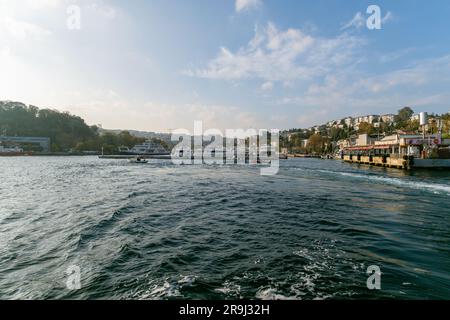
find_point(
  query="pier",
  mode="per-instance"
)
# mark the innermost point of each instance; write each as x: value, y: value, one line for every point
x: 118, y: 157
x: 382, y: 161
x: 302, y: 155
x: 400, y: 151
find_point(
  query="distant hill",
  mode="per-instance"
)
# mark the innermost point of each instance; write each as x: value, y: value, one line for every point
x: 67, y: 132
x: 141, y: 134
x: 63, y: 129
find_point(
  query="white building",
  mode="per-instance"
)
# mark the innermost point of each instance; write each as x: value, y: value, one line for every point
x: 388, y: 118
x: 348, y: 121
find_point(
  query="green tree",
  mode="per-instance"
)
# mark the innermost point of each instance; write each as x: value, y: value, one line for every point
x: 403, y: 117
x: 365, y: 127
x: 66, y: 131
x: 337, y: 134
x: 316, y: 143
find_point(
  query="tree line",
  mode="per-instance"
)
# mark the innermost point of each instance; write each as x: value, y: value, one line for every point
x: 67, y: 132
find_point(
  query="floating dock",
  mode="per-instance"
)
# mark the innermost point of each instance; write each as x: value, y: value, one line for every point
x: 381, y: 161
x: 118, y: 157
x: 398, y: 162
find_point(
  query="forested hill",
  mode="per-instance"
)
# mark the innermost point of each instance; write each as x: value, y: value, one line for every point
x: 66, y: 131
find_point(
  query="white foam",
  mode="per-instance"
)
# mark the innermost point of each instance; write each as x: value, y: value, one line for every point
x: 417, y: 185
x: 271, y: 294
x: 230, y: 289
x: 424, y: 186
x: 161, y: 291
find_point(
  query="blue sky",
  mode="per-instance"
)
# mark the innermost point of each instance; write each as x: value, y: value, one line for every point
x: 161, y: 64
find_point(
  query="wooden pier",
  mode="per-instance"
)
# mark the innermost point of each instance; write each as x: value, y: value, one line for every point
x: 381, y: 161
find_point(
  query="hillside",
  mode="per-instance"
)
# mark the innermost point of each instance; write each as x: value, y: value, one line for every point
x: 66, y: 131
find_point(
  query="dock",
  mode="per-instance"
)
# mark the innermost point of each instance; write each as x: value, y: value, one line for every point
x: 405, y: 162
x: 118, y: 157
x: 398, y: 162
x: 302, y: 155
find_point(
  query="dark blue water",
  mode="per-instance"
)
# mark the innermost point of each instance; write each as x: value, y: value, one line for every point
x: 161, y: 231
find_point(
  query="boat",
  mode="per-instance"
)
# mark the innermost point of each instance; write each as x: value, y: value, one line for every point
x: 147, y: 148
x: 11, y: 152
x: 138, y: 160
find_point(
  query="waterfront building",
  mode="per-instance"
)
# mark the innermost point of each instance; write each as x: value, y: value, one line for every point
x: 365, y: 139
x: 388, y: 118
x: 400, y: 151
x: 304, y: 143
x: 44, y: 142
x: 373, y: 118
x: 292, y: 134
x: 348, y: 121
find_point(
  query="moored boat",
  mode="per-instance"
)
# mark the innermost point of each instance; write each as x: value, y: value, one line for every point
x: 149, y: 147
x: 138, y: 160
x: 11, y: 152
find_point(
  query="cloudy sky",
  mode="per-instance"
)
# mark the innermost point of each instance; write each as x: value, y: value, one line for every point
x: 161, y: 64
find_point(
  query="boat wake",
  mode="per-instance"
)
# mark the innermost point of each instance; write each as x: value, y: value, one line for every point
x: 417, y: 185
x: 435, y: 188
x: 424, y: 186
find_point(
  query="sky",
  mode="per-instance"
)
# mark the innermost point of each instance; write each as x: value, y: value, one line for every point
x: 159, y: 65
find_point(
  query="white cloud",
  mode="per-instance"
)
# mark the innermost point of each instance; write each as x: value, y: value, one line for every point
x: 388, y: 17
x: 267, y: 86
x: 127, y: 114
x: 43, y: 3
x: 358, y: 21
x: 18, y: 18
x: 352, y: 93
x: 421, y: 73
x: 243, y: 5
x: 275, y: 55
x: 103, y: 9
x: 395, y: 55
x: 17, y: 8
x: 21, y: 29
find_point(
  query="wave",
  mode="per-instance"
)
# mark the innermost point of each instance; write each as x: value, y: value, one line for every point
x: 168, y: 289
x: 417, y: 185
x: 423, y: 186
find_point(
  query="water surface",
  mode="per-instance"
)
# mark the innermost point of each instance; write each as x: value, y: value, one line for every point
x: 160, y: 231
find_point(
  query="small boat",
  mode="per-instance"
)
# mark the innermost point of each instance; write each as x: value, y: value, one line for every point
x: 138, y: 160
x: 12, y: 152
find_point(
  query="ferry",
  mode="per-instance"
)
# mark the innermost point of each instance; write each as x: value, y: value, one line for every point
x: 11, y: 152
x: 147, y: 148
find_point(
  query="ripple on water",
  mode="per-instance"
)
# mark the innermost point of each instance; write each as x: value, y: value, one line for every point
x: 167, y: 232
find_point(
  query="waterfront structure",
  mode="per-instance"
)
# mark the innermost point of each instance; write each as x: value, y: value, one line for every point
x: 147, y: 148
x: 365, y: 139
x: 14, y: 151
x: 404, y: 151
x: 292, y: 134
x: 352, y: 122
x: 348, y: 121
x: 388, y: 118
x: 44, y: 142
